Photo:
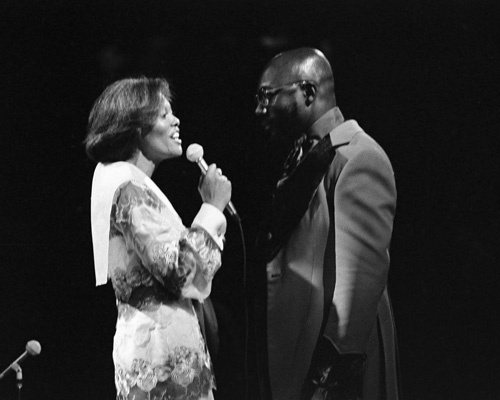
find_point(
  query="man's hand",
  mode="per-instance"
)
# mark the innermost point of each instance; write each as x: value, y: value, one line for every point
x: 334, y: 376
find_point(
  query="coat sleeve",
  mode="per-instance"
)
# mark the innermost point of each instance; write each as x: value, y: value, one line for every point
x: 364, y: 206
x: 183, y: 260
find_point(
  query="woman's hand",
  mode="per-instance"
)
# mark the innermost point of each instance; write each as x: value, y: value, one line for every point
x: 215, y: 188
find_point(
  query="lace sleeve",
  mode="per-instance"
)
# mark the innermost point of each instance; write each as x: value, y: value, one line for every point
x: 183, y: 260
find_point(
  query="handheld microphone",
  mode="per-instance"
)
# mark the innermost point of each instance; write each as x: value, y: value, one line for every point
x: 33, y: 348
x: 194, y: 153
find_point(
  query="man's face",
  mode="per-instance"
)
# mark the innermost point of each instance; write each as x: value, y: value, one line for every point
x: 280, y: 101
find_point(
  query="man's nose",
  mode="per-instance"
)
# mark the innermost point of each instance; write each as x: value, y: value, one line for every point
x: 260, y: 110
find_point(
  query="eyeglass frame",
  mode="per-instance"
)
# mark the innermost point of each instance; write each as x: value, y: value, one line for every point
x: 264, y: 95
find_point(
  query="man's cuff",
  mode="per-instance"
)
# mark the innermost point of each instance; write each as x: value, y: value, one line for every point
x: 212, y: 220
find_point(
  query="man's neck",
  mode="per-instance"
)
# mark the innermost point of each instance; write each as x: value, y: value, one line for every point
x: 323, y: 125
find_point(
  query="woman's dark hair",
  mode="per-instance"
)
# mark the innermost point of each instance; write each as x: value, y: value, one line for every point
x: 124, y: 112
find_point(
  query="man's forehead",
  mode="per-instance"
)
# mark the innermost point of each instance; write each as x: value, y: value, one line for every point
x: 265, y: 80
x: 274, y: 76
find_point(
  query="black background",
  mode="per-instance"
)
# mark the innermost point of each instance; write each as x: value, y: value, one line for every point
x: 420, y: 76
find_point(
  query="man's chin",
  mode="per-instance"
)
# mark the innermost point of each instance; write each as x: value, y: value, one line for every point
x: 275, y: 133
x: 283, y: 136
x: 272, y: 133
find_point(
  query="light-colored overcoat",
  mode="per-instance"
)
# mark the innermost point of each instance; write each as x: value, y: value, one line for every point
x: 338, y: 251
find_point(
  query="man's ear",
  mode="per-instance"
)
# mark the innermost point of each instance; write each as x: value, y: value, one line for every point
x: 309, y: 92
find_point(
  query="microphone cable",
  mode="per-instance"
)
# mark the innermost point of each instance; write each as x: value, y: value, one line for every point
x: 245, y: 306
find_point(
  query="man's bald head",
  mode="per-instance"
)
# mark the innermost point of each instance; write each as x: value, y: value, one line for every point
x: 302, y: 64
x: 306, y: 64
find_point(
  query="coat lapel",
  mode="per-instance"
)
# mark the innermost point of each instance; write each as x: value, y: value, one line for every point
x: 293, y: 196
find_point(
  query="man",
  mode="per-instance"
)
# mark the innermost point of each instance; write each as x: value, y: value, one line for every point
x: 330, y: 332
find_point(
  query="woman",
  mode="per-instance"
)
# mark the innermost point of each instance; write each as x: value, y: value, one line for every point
x: 156, y: 265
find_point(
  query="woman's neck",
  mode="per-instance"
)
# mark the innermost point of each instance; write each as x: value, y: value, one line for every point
x: 144, y: 164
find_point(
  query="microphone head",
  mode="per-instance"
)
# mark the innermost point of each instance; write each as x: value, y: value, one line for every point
x: 33, y: 348
x: 194, y: 152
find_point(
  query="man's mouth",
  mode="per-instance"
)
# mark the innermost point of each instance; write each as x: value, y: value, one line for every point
x: 266, y: 126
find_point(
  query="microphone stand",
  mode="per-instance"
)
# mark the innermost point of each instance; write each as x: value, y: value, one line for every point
x: 19, y: 377
x: 33, y: 348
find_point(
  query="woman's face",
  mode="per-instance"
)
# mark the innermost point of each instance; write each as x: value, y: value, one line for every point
x: 163, y: 142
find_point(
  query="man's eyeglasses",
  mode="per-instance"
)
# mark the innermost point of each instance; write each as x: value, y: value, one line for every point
x: 264, y: 95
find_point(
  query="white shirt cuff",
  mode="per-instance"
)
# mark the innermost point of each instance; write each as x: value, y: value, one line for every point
x: 213, y: 221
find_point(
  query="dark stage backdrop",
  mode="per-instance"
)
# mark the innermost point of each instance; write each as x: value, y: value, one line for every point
x: 421, y: 76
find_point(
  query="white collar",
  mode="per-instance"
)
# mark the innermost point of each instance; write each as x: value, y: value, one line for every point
x: 107, y: 178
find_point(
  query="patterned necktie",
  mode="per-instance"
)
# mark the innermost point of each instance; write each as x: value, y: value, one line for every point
x: 300, y: 147
x: 293, y: 195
